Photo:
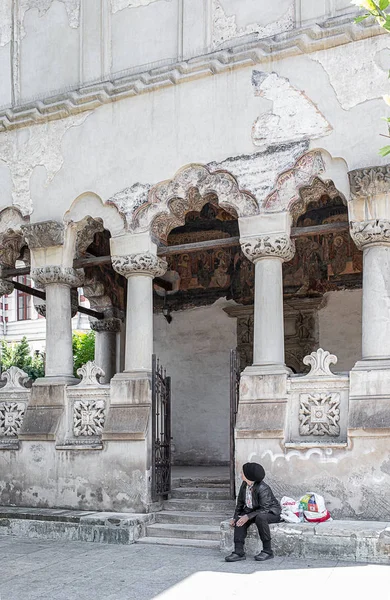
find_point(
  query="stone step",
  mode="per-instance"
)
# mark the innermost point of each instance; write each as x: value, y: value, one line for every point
x: 202, y: 493
x: 199, y: 505
x: 193, y: 532
x: 179, y: 542
x: 221, y: 482
x: 191, y: 518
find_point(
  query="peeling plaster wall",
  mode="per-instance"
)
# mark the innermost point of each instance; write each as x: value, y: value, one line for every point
x: 195, y: 350
x: 340, y: 327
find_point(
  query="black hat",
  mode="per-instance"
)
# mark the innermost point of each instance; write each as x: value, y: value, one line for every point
x: 253, y: 471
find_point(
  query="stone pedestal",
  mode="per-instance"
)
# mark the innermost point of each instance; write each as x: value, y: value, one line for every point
x: 106, y: 346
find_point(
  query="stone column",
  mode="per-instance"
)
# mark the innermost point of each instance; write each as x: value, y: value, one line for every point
x: 139, y: 269
x: 268, y: 252
x: 105, y: 345
x: 373, y: 237
x: 58, y: 282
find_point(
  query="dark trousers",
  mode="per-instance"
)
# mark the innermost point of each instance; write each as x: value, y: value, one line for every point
x: 262, y: 521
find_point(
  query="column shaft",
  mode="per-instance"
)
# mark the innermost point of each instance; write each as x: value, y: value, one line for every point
x: 139, y: 323
x: 376, y: 302
x: 59, y: 355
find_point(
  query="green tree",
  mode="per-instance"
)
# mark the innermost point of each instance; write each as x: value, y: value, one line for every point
x: 83, y: 345
x: 18, y: 354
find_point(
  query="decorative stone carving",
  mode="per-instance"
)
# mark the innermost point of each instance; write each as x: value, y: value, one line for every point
x: 88, y: 417
x: 11, y: 417
x: 15, y: 379
x: 319, y: 414
x: 190, y: 189
x: 86, y: 230
x: 90, y: 373
x: 139, y: 264
x: 312, y: 193
x: 369, y: 182
x: 278, y: 246
x: 11, y: 243
x: 56, y: 274
x: 6, y: 287
x: 366, y: 233
x: 320, y: 362
x: 44, y: 234
x: 112, y: 325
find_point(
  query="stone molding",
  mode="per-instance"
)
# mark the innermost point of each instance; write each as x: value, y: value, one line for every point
x: 90, y: 374
x: 44, y: 234
x: 139, y: 264
x: 56, y: 274
x: 269, y: 246
x: 313, y: 37
x: 369, y: 182
x: 15, y: 380
x: 319, y: 362
x: 366, y: 233
x: 112, y: 325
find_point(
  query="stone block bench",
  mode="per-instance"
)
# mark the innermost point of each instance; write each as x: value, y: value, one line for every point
x: 360, y: 541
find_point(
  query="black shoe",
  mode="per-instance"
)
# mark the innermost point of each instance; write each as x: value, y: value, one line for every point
x: 234, y: 557
x: 264, y: 555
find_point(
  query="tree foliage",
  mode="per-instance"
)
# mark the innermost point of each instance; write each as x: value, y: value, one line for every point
x: 83, y: 345
x: 18, y: 354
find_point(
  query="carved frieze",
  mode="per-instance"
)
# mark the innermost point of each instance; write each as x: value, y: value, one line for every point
x: 111, y: 325
x: 272, y: 245
x: 366, y: 233
x: 56, y: 274
x: 139, y: 264
x: 319, y: 414
x: 44, y: 234
x: 11, y: 418
x: 88, y: 417
x: 369, y: 182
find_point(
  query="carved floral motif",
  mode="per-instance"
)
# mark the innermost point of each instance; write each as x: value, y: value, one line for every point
x: 56, y: 274
x: 90, y: 373
x: 44, y: 234
x: 319, y: 414
x: 369, y: 182
x: 279, y: 246
x: 144, y: 263
x: 15, y: 379
x: 11, y: 417
x: 88, y: 417
x: 376, y: 231
x: 320, y: 362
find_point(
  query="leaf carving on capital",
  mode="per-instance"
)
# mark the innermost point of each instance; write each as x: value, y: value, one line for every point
x: 44, y: 234
x: 319, y: 362
x: 57, y: 274
x: 112, y: 325
x: 90, y: 373
x: 11, y: 243
x: 272, y: 245
x: 376, y: 231
x: 141, y: 264
x: 15, y: 379
x: 369, y: 182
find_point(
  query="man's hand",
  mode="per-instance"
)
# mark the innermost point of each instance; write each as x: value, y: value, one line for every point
x: 232, y: 522
x: 242, y: 520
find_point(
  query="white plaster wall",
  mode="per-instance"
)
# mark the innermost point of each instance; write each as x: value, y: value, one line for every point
x: 340, y: 327
x: 195, y: 349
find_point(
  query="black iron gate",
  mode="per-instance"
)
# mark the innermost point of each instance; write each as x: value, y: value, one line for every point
x: 234, y: 396
x: 161, y: 431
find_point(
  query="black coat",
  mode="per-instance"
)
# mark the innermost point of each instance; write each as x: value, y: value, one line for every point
x: 263, y: 501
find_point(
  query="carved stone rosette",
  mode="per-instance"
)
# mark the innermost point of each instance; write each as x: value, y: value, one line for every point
x: 112, y: 325
x: 269, y: 246
x: 366, y: 233
x: 56, y: 274
x: 139, y: 264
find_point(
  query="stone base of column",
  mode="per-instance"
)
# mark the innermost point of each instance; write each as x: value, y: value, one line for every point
x: 57, y: 380
x: 381, y: 364
x: 271, y: 369
x: 45, y: 411
x: 369, y: 396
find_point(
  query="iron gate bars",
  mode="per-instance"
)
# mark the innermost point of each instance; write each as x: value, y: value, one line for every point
x: 161, y: 431
x: 234, y: 398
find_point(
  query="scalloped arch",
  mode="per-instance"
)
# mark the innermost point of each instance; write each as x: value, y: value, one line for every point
x: 190, y: 189
x: 91, y: 205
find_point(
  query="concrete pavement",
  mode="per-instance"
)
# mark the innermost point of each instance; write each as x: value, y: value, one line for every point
x: 51, y: 570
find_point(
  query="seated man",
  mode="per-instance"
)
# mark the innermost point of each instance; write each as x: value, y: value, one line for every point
x: 255, y: 504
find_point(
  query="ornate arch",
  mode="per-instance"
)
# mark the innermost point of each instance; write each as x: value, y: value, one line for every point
x: 315, y: 173
x: 89, y: 208
x: 191, y: 188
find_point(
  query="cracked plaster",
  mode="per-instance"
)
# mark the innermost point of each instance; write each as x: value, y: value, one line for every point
x: 225, y: 27
x: 294, y: 116
x: 117, y: 5
x: 24, y: 150
x: 365, y: 63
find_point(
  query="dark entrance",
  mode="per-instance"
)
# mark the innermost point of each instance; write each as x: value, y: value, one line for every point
x: 235, y: 373
x: 161, y: 431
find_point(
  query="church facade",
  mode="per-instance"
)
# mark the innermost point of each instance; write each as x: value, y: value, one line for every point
x: 207, y: 172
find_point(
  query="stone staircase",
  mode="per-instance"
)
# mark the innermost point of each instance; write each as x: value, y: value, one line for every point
x: 193, y: 514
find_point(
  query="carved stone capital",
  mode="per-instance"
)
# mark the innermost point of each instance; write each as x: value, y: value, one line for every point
x: 56, y: 274
x: 366, y: 233
x: 269, y: 245
x: 369, y: 182
x: 11, y: 243
x: 139, y: 264
x: 6, y: 287
x: 112, y: 325
x: 43, y: 235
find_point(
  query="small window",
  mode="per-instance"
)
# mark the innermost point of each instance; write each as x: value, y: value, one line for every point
x: 23, y: 300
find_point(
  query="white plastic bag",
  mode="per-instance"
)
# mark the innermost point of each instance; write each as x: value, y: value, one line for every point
x: 290, y: 510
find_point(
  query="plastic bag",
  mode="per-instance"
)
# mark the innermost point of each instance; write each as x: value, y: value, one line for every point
x: 314, y: 508
x: 290, y: 510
